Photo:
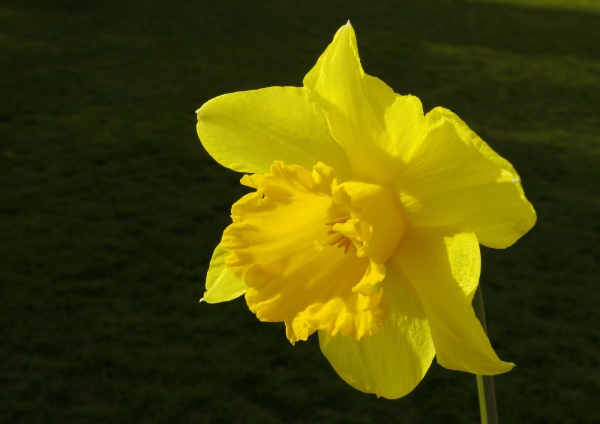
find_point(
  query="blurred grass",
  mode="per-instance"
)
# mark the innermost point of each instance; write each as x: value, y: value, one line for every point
x: 110, y: 207
x: 586, y: 5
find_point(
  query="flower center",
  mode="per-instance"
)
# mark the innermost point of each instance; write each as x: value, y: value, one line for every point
x: 334, y: 237
x: 278, y: 247
x: 339, y: 239
x: 376, y: 225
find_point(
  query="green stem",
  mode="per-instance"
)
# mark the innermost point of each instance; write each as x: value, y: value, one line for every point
x: 485, y: 383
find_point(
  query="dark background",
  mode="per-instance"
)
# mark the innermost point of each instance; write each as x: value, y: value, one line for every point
x: 110, y: 208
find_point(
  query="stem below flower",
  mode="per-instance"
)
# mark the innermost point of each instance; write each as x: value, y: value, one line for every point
x: 485, y: 383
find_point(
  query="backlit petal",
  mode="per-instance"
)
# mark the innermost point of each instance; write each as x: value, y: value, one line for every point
x: 221, y: 284
x: 291, y: 275
x: 375, y: 126
x: 442, y: 265
x: 394, y: 360
x: 247, y: 131
x: 453, y: 178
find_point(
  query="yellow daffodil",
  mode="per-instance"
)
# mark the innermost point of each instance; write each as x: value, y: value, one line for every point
x: 366, y: 221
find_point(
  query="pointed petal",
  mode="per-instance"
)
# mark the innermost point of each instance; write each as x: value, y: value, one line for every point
x: 394, y: 360
x: 375, y: 126
x: 443, y: 265
x: 249, y: 130
x: 453, y: 178
x: 221, y: 284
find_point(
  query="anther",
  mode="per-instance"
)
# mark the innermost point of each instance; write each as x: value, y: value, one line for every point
x: 347, y: 246
x: 339, y: 221
x: 340, y: 240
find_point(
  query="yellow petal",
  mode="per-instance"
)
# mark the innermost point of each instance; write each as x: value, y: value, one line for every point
x: 272, y: 244
x: 453, y: 178
x: 249, y: 130
x: 393, y: 361
x: 442, y: 265
x: 221, y: 284
x: 375, y: 126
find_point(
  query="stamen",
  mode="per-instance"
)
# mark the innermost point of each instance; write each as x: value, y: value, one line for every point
x: 346, y: 244
x: 339, y: 221
x: 340, y: 240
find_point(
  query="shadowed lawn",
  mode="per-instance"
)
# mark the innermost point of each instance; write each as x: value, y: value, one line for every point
x: 110, y: 208
x: 585, y: 5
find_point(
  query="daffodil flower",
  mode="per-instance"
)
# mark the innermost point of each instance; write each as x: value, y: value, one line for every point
x: 366, y: 221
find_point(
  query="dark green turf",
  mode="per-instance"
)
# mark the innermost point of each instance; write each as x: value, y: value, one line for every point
x: 110, y: 208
